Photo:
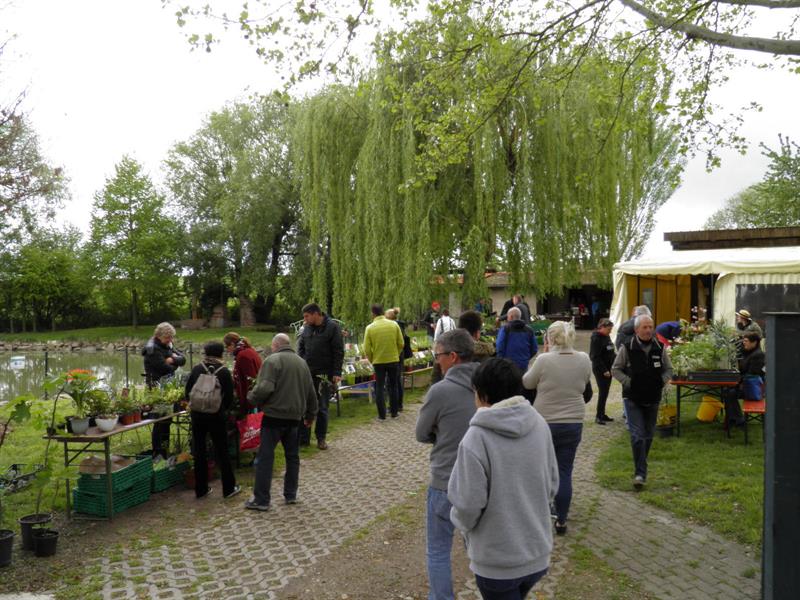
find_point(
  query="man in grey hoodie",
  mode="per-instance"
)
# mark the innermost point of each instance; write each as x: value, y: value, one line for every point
x: 442, y: 421
x: 507, y: 450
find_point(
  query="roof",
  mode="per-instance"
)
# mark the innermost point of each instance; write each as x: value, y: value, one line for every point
x: 733, y: 238
x: 783, y: 259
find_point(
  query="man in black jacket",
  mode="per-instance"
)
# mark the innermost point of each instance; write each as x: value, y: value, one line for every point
x: 320, y: 344
x: 601, y: 351
x: 161, y: 361
x: 625, y: 331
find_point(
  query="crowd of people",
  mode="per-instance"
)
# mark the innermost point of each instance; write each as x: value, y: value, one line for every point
x: 497, y: 420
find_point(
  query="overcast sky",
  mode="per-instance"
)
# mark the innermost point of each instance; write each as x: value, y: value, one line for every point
x: 110, y: 77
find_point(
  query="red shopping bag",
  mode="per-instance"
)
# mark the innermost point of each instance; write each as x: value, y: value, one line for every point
x: 250, y: 431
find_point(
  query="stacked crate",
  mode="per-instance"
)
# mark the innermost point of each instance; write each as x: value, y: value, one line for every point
x: 131, y: 486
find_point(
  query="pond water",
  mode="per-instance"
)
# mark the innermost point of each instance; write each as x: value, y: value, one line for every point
x: 24, y: 372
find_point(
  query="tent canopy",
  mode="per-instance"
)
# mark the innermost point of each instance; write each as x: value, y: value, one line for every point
x: 732, y: 266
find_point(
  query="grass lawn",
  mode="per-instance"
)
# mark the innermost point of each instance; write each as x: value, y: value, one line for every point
x: 702, y: 476
x: 260, y: 335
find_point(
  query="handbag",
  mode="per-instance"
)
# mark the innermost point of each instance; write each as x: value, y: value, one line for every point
x: 250, y: 431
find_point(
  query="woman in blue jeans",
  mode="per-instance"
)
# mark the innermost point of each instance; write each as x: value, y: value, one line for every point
x: 561, y: 377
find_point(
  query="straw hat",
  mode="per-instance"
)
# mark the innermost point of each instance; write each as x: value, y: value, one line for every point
x: 745, y: 314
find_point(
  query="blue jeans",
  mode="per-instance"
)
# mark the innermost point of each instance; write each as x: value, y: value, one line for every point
x: 440, y: 543
x: 566, y: 437
x: 382, y: 373
x: 642, y: 425
x: 270, y: 436
x: 508, y: 589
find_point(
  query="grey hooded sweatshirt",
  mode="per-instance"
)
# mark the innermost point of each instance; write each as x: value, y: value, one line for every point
x: 444, y: 418
x: 503, y: 482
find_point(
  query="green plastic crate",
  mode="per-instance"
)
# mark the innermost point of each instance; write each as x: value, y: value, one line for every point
x: 169, y: 476
x: 121, y: 480
x: 97, y: 503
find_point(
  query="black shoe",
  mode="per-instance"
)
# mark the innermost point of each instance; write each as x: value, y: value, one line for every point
x: 291, y: 500
x: 236, y: 489
x: 607, y: 419
x: 599, y: 421
x: 208, y: 491
x: 561, y: 528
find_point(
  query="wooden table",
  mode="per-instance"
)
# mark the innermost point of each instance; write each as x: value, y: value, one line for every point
x: 695, y: 388
x: 77, y: 445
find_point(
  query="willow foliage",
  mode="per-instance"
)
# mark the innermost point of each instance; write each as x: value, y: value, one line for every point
x: 560, y: 179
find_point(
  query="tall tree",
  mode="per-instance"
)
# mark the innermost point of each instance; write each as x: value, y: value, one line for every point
x: 48, y: 279
x: 235, y: 179
x: 29, y: 186
x: 773, y: 202
x: 134, y: 242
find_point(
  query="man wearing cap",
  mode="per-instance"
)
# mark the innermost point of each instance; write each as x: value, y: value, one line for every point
x: 602, y: 353
x: 745, y: 323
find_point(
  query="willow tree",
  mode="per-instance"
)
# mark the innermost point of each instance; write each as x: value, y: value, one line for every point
x: 560, y: 179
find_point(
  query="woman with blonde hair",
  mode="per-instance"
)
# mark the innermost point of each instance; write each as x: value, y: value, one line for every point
x: 246, y: 364
x: 561, y: 377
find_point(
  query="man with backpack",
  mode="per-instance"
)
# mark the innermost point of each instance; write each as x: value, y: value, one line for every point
x: 209, y: 390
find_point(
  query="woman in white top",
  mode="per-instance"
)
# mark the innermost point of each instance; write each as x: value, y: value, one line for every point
x: 444, y: 324
x: 561, y: 377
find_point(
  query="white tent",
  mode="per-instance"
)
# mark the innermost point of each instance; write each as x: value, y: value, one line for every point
x: 733, y: 266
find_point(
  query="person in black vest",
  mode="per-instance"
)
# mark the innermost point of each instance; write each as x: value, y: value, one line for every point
x: 213, y: 425
x: 601, y: 351
x: 642, y: 367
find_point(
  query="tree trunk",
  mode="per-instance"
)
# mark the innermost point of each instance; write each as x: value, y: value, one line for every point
x: 272, y: 273
x: 247, y: 317
x: 134, y: 311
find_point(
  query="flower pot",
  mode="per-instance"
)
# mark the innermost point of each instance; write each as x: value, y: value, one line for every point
x: 27, y: 525
x: 137, y: 416
x: 6, y: 546
x: 78, y: 426
x: 127, y: 419
x: 665, y: 431
x: 45, y: 542
x: 106, y: 424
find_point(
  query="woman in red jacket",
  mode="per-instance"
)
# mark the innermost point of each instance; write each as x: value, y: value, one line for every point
x: 246, y: 365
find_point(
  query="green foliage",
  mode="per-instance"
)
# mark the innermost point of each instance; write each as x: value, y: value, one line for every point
x: 709, y: 349
x: 134, y: 244
x: 234, y: 179
x: 773, y: 202
x: 558, y: 180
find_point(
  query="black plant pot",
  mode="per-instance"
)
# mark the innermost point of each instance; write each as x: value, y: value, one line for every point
x: 666, y: 431
x: 45, y: 542
x: 6, y: 546
x: 27, y: 525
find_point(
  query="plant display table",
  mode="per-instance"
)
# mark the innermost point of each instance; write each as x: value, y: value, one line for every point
x: 86, y: 443
x: 696, y: 388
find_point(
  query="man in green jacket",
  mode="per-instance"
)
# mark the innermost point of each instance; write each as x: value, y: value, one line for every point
x: 383, y: 345
x: 284, y: 390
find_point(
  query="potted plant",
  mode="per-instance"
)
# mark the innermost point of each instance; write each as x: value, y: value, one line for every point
x: 101, y: 408
x: 707, y: 354
x: 77, y: 384
x: 125, y: 407
x: 19, y: 411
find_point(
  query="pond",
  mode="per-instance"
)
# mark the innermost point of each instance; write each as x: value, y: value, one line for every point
x: 24, y: 372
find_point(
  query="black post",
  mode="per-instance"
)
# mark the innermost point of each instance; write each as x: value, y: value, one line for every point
x: 127, y: 379
x: 780, y: 572
x: 191, y: 356
x: 46, y: 369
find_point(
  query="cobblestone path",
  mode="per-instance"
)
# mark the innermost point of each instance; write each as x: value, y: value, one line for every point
x: 227, y: 552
